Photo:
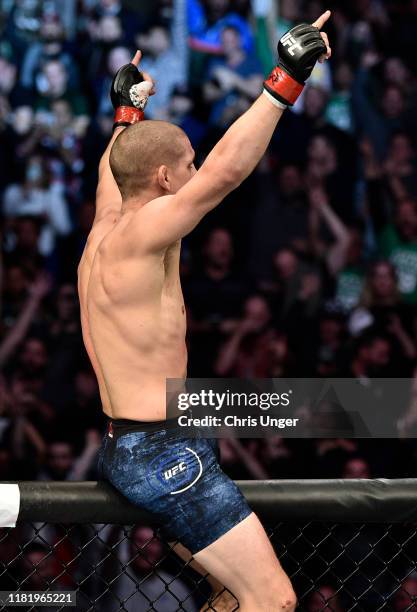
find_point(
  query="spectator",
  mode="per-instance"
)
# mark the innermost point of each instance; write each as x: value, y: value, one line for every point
x: 50, y: 46
x: 378, y: 121
x: 21, y: 138
x: 381, y: 307
x: 398, y: 243
x: 165, y: 58
x: 217, y: 292
x: 264, y: 13
x: 37, y: 556
x: 293, y: 208
x: 62, y: 464
x: 339, y: 107
x: 28, y: 311
x: 105, y: 34
x: 331, y: 345
x: 14, y: 292
x: 371, y: 357
x: 295, y: 296
x: 233, y: 81
x: 59, y: 462
x: 290, y: 14
x: 81, y: 409
x: 21, y: 437
x: 246, y: 354
x: 300, y: 127
x: 130, y: 21
x: 183, y: 111
x: 22, y: 244
x: 400, y: 166
x: 351, y: 276
x: 53, y: 84
x: 8, y: 81
x: 148, y: 553
x: 326, y: 171
x: 32, y: 363
x: 214, y: 296
x: 207, y: 22
x: 320, y: 210
x: 37, y: 197
x: 62, y: 138
x: 63, y: 336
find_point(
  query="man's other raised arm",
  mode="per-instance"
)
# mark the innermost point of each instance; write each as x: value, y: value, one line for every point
x: 245, y: 142
x: 108, y: 197
x: 127, y: 111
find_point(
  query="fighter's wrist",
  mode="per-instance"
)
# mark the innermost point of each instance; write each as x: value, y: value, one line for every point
x: 282, y: 86
x: 127, y: 115
x: 274, y: 100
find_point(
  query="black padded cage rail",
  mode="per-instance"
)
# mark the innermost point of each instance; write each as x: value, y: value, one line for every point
x: 346, y: 544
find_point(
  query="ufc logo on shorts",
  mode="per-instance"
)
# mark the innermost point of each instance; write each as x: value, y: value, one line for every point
x: 180, y: 467
x: 291, y: 43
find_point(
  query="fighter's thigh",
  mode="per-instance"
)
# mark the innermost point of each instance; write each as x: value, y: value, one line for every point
x: 245, y: 562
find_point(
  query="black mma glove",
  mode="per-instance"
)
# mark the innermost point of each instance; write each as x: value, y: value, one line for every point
x: 129, y: 94
x: 298, y: 51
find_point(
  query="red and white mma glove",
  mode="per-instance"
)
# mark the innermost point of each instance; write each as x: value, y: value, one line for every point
x: 298, y: 51
x: 129, y: 95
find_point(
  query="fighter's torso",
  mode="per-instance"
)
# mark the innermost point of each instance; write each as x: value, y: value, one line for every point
x: 133, y: 319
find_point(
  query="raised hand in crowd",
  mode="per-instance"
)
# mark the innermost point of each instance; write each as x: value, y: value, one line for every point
x: 321, y: 214
x: 37, y: 291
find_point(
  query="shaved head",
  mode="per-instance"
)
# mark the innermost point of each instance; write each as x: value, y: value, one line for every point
x: 140, y: 150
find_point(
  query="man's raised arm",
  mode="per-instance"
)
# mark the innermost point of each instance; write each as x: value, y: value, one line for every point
x: 241, y: 148
x: 129, y: 93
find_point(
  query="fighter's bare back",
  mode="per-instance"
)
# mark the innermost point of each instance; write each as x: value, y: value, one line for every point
x: 133, y: 317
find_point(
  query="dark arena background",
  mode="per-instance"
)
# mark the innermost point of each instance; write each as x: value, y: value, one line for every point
x: 308, y: 269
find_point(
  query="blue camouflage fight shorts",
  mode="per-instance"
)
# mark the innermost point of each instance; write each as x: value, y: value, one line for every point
x: 177, y: 479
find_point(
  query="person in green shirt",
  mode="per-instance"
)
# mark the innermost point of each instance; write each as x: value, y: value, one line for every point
x: 343, y: 256
x: 398, y: 243
x: 351, y: 277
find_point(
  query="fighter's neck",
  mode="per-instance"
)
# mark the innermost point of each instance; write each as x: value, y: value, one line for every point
x: 136, y: 203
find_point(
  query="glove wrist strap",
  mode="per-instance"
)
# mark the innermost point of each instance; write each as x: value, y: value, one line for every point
x: 278, y: 103
x: 127, y: 115
x: 282, y: 86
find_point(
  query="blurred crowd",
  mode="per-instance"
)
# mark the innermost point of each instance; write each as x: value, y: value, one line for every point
x: 308, y: 269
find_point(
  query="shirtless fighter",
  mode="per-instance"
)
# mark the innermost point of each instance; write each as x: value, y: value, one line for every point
x: 149, y: 196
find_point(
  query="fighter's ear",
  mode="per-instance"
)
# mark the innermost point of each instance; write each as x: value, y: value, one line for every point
x: 163, y: 179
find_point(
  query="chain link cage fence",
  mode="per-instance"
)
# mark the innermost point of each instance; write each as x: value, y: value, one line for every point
x: 347, y: 545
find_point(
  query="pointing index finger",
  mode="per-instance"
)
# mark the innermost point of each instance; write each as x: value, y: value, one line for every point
x: 319, y: 23
x: 136, y: 59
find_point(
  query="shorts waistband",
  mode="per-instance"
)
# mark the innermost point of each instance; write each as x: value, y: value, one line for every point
x: 132, y: 425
